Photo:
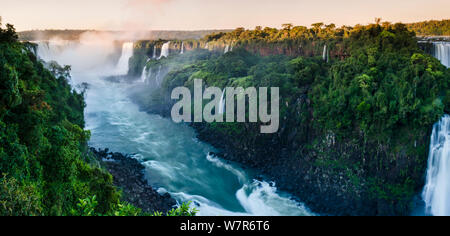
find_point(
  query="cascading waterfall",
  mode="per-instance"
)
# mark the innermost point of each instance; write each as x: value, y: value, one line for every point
x: 127, y: 53
x: 227, y: 49
x: 43, y: 51
x: 158, y: 77
x: 144, y: 72
x: 182, y: 48
x: 207, y: 46
x: 49, y: 50
x: 436, y: 193
x: 222, y: 102
x: 144, y: 75
x: 154, y: 52
x: 325, y: 53
x: 165, y: 50
x: 442, y: 52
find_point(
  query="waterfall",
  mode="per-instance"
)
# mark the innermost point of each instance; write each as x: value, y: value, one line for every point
x: 165, y: 50
x: 158, y: 77
x: 50, y: 50
x: 227, y: 49
x: 442, y: 52
x: 222, y: 102
x: 144, y: 72
x: 436, y: 193
x: 325, y: 53
x: 182, y: 48
x: 127, y: 53
x: 43, y: 51
x: 154, y: 52
x: 207, y: 46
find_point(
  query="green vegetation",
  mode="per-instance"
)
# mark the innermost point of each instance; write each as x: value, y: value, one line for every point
x: 42, y: 141
x: 87, y: 207
x: 44, y: 160
x: 431, y: 28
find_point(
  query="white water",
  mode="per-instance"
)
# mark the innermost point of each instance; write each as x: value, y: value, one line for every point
x: 175, y: 160
x: 49, y: 50
x: 222, y: 102
x: 182, y: 48
x: 127, y: 53
x: 442, y: 52
x: 154, y: 52
x: 227, y: 49
x: 159, y: 77
x: 165, y: 50
x: 436, y: 193
x: 144, y: 74
x: 325, y: 53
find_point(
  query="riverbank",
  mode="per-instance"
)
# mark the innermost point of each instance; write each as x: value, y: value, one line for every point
x: 128, y: 176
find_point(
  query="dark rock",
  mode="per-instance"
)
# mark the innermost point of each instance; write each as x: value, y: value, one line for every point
x: 128, y: 175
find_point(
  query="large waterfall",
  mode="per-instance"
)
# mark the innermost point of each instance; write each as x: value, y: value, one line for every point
x: 436, y: 193
x: 442, y: 52
x: 127, y: 52
x: 165, y: 50
x: 182, y: 48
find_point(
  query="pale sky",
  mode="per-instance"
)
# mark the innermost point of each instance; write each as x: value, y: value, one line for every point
x: 211, y: 14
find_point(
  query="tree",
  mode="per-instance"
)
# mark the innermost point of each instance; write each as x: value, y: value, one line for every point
x: 317, y: 25
x: 287, y: 26
x: 378, y: 21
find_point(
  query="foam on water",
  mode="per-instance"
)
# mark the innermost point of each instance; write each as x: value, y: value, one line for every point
x: 436, y: 193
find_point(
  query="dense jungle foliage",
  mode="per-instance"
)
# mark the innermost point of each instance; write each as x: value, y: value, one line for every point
x: 43, y: 144
x: 431, y: 28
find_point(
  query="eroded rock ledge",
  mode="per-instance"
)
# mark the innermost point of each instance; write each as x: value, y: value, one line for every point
x: 128, y: 175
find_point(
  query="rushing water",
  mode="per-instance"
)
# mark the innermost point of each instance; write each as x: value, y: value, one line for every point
x: 436, y: 193
x: 222, y: 102
x: 122, y: 65
x: 175, y: 160
x: 442, y: 52
x: 165, y: 50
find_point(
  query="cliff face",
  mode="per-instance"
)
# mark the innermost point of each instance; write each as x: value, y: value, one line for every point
x: 349, y: 176
x: 151, y: 49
